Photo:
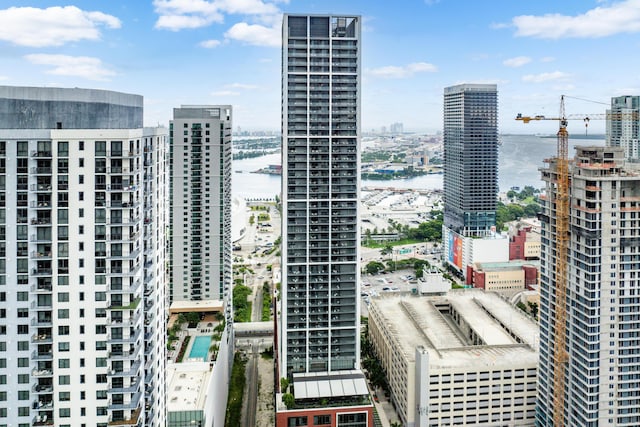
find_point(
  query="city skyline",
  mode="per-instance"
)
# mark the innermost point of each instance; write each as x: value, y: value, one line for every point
x: 229, y: 54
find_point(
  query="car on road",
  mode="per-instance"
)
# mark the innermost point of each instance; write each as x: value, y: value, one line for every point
x: 386, y: 288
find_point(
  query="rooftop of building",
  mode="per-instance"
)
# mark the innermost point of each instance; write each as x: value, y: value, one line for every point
x: 504, y: 266
x: 318, y: 385
x: 505, y: 335
x: 187, y: 385
x: 24, y: 107
x: 202, y: 112
x: 196, y: 306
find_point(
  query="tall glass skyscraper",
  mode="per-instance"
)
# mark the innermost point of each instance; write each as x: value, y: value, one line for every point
x: 319, y: 329
x: 470, y: 158
x: 320, y: 130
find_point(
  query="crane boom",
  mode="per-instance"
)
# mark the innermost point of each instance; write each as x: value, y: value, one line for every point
x: 561, y: 240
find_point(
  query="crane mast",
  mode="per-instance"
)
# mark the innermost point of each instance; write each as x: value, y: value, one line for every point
x: 561, y: 240
x: 561, y: 245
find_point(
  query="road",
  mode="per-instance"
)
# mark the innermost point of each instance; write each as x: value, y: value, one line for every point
x: 251, y: 400
x: 254, y: 244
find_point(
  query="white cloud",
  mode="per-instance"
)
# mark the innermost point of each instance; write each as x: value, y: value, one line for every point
x: 247, y: 7
x: 397, y: 72
x: 180, y: 22
x: 241, y: 86
x: 73, y: 66
x: 224, y: 93
x: 176, y: 15
x: 255, y: 34
x: 4, y: 78
x: 545, y: 77
x: 210, y: 44
x: 622, y: 17
x: 518, y: 61
x: 547, y: 59
x: 53, y: 26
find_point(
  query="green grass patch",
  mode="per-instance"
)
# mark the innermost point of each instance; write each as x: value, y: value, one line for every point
x: 183, y: 348
x: 236, y: 392
x: 266, y: 302
x: 379, y: 245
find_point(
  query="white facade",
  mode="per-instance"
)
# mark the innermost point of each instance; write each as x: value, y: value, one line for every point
x: 83, y: 300
x: 467, y: 358
x: 82, y: 260
x: 461, y: 251
x: 200, y: 202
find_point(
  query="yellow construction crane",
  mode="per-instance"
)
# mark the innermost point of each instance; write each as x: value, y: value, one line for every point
x: 586, y: 118
x: 561, y: 357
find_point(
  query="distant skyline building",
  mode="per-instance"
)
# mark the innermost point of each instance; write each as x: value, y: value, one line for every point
x: 200, y: 151
x: 602, y: 297
x: 319, y: 330
x: 470, y: 158
x: 82, y: 259
x: 396, y: 128
x: 623, y: 126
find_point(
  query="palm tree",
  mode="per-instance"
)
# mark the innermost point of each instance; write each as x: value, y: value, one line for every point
x: 387, y: 250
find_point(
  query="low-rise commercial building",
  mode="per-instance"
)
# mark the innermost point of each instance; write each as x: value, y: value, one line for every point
x: 502, y: 277
x: 467, y: 358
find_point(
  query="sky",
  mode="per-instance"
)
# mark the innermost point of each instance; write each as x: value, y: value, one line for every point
x: 176, y: 52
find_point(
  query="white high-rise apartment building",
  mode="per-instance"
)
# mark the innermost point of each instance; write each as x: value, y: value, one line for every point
x: 623, y: 126
x: 200, y: 141
x: 602, y: 384
x: 82, y: 260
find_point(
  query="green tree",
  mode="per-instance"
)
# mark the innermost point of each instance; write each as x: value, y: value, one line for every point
x: 289, y: 400
x: 387, y: 250
x: 532, y: 210
x: 533, y: 307
x: 374, y: 267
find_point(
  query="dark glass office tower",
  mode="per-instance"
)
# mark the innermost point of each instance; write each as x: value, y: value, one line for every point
x: 320, y: 127
x: 471, y: 158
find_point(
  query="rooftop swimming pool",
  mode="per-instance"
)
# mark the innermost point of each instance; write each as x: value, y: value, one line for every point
x: 200, y: 347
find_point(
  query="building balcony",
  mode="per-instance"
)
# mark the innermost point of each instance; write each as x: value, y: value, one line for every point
x: 126, y: 421
x: 42, y: 339
x: 42, y: 405
x: 122, y: 153
x: 132, y: 372
x: 41, y: 373
x: 41, y: 272
x: 121, y: 339
x: 123, y: 271
x: 42, y: 356
x: 41, y: 171
x: 133, y: 404
x: 129, y: 389
x: 120, y: 255
x: 43, y: 420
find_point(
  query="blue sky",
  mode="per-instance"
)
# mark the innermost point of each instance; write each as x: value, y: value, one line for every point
x: 227, y: 52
